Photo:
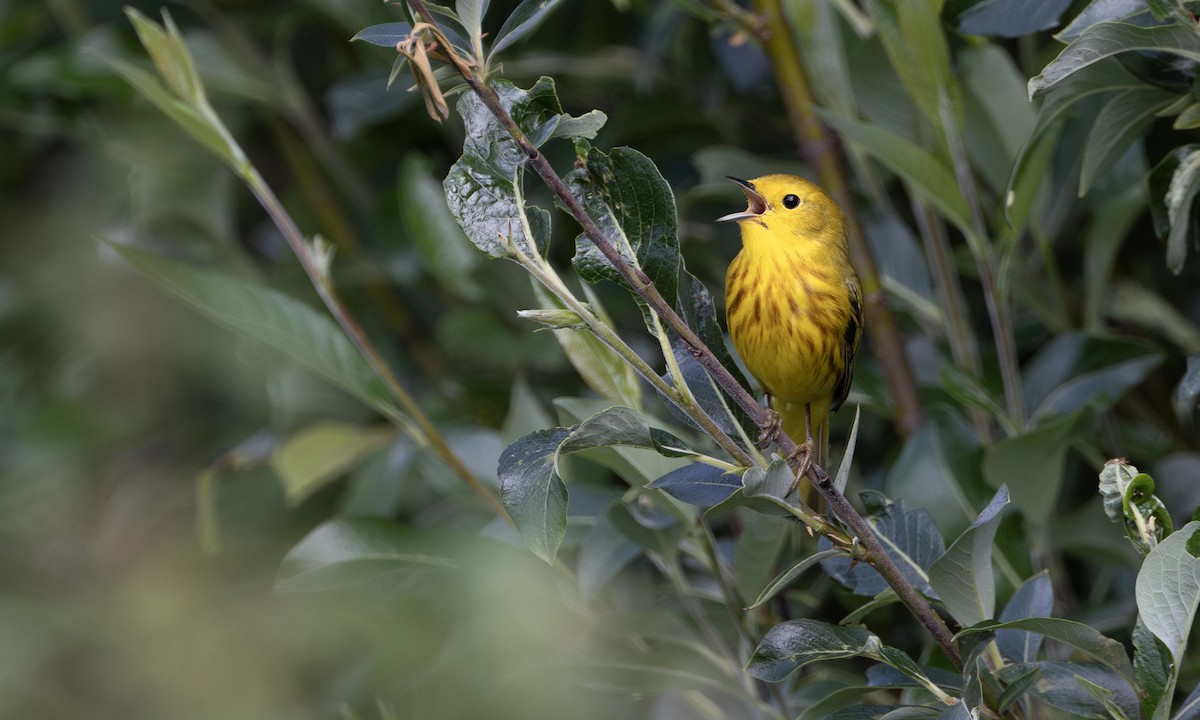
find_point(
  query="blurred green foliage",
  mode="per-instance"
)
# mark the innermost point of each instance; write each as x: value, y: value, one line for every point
x: 198, y: 523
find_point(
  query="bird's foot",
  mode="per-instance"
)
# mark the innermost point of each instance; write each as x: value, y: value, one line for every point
x: 808, y: 450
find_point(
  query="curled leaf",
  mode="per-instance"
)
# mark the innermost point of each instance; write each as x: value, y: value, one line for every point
x: 1129, y: 499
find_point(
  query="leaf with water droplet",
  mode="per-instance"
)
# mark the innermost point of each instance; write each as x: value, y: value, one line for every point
x: 484, y: 188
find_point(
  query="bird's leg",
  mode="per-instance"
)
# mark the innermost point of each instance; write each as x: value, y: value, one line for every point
x: 807, y: 448
x: 774, y: 425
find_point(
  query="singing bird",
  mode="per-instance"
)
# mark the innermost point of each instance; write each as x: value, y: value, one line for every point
x: 793, y: 304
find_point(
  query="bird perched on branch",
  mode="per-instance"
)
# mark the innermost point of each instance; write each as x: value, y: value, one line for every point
x: 793, y: 305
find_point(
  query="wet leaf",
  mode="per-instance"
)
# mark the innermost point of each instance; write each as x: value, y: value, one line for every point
x: 484, y: 188
x: 791, y: 645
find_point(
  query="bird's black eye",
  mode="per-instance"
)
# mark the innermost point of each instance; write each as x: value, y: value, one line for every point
x: 790, y: 201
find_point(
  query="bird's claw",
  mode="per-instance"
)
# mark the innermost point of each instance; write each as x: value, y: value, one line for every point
x: 808, y: 450
x: 771, y: 432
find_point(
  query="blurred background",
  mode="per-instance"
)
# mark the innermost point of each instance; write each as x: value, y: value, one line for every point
x: 142, y: 522
x: 114, y: 398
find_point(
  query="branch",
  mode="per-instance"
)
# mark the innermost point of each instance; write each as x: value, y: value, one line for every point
x: 641, y: 283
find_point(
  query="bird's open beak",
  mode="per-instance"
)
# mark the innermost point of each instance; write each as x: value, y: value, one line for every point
x: 756, y: 204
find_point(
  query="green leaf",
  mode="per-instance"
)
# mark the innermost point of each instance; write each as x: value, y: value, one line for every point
x: 386, y: 35
x: 962, y: 576
x: 882, y: 600
x: 785, y: 578
x: 911, y: 32
x: 602, y: 554
x: 346, y: 551
x: 1031, y: 465
x: 1016, y: 688
x: 638, y: 462
x: 432, y: 229
x: 1174, y: 183
x: 483, y: 189
x: 1187, y: 393
x: 909, y: 537
x: 819, y: 38
x: 1188, y: 118
x: 648, y: 527
x: 840, y: 704
x: 1005, y: 118
x: 842, y: 477
x: 698, y: 484
x: 585, y: 126
x: 470, y: 15
x: 170, y: 55
x: 905, y: 664
x: 1190, y: 709
x: 634, y: 208
x: 1116, y: 126
x: 1035, y: 598
x: 1083, y: 637
x: 1010, y: 18
x: 532, y: 491
x: 323, y: 452
x: 957, y: 711
x: 1168, y: 590
x: 887, y: 674
x: 524, y: 19
x: 1076, y: 370
x: 1099, y: 11
x: 1065, y: 685
x: 775, y: 482
x: 182, y: 98
x: 1106, y: 39
x: 383, y: 484
x: 531, y: 488
x: 1103, y: 240
x: 1152, y: 666
x: 1027, y: 171
x: 1105, y: 697
x: 297, y: 330
x: 929, y: 176
x: 923, y: 476
x: 757, y: 550
x: 201, y: 126
x: 791, y: 645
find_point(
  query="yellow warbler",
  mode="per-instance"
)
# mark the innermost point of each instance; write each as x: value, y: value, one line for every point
x: 794, y: 305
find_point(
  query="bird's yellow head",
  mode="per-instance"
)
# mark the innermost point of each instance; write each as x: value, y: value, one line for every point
x: 787, y: 205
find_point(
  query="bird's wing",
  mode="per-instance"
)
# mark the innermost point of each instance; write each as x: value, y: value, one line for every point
x: 850, y: 342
